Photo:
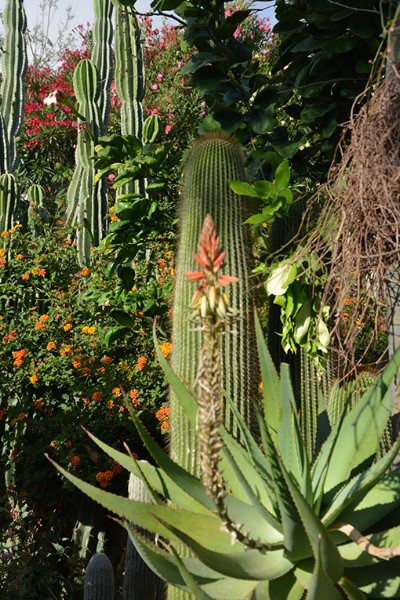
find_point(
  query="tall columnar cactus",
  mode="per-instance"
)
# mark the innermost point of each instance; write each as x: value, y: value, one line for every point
x: 139, y: 580
x: 87, y: 200
x: 129, y: 77
x: 211, y: 163
x: 87, y: 205
x: 99, y: 578
x: 8, y: 196
x: 14, y: 65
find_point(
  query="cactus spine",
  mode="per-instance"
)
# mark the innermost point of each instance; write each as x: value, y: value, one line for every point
x: 213, y: 161
x: 99, y: 578
x: 14, y: 66
x: 87, y: 200
x: 139, y: 580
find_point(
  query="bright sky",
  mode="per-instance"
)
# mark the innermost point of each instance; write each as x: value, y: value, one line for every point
x: 83, y: 11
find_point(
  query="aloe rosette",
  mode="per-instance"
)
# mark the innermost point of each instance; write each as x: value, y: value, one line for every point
x: 317, y: 527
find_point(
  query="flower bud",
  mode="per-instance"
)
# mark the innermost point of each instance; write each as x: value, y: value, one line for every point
x: 212, y: 295
x: 203, y: 307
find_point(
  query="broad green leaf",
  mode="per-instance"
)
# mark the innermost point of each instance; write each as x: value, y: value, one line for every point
x: 270, y: 382
x: 358, y: 487
x: 280, y: 279
x: 361, y: 430
x: 114, y: 334
x: 302, y: 321
x: 243, y: 188
x: 186, y: 399
x: 282, y: 176
x: 265, y: 189
x: 204, y: 528
x: 250, y: 564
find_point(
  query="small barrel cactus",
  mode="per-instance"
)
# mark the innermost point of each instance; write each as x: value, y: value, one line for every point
x: 99, y: 578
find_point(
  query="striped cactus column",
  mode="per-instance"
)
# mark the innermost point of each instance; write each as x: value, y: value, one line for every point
x: 14, y: 65
x: 211, y: 163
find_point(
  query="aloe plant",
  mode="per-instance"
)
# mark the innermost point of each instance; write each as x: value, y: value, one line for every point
x: 267, y: 521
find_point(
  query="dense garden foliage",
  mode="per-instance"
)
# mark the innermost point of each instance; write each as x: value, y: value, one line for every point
x: 76, y: 342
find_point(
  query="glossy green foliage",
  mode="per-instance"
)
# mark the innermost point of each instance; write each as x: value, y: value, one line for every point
x: 13, y: 69
x: 325, y: 58
x: 309, y: 516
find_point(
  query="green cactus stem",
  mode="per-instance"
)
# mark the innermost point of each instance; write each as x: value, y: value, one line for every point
x: 139, y: 580
x: 87, y: 204
x: 129, y: 78
x: 8, y: 197
x: 99, y: 578
x: 87, y: 200
x: 211, y: 163
x: 12, y: 93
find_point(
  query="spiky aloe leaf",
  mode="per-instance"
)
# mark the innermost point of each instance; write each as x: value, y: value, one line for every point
x: 321, y: 585
x: 186, y: 398
x: 271, y: 384
x: 380, y: 501
x: 362, y: 429
x: 269, y: 530
x: 206, y: 528
x: 250, y: 564
x: 290, y: 443
x: 297, y: 542
x: 190, y: 581
x: 159, y: 480
x: 259, y: 480
x: 207, y: 578
x: 352, y: 592
x: 323, y: 546
x: 379, y: 581
x: 359, y: 486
